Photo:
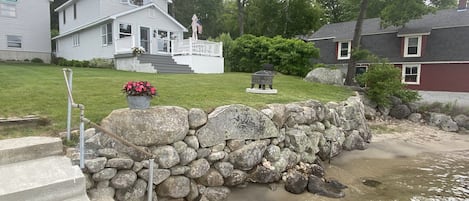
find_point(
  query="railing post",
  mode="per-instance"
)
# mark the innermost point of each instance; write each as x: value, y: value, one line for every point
x: 69, y: 106
x: 221, y: 49
x: 150, y: 180
x: 82, y: 137
x: 190, y: 46
x: 172, y: 43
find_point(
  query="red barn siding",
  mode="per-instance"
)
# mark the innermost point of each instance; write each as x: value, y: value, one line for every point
x: 443, y: 77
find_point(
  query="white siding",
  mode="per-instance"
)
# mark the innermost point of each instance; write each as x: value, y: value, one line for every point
x: 32, y: 23
x: 142, y: 18
x: 111, y: 7
x: 87, y: 11
x: 163, y: 4
x: 90, y: 46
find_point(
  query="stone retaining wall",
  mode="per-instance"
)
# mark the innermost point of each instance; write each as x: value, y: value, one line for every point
x: 200, y: 155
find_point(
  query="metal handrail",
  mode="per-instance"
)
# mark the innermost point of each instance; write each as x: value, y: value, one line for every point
x: 84, y: 120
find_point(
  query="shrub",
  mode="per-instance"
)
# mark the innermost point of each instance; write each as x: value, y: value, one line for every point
x: 37, y: 60
x: 289, y: 56
x: 101, y: 63
x: 383, y: 80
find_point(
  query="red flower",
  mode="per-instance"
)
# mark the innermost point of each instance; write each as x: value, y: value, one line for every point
x: 140, y: 88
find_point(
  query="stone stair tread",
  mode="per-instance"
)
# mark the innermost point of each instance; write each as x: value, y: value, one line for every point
x: 49, y: 178
x: 27, y: 148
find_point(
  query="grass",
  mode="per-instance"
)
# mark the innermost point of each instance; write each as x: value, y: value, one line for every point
x: 40, y: 90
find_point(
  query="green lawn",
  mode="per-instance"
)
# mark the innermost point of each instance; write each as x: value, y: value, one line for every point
x: 40, y: 89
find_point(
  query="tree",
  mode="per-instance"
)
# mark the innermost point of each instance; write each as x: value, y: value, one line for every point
x: 399, y: 12
x: 349, y: 80
x: 241, y: 5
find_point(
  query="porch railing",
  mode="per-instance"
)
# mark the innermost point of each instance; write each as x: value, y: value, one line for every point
x: 196, y: 47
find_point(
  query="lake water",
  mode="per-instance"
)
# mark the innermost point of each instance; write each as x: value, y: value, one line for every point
x: 442, y: 176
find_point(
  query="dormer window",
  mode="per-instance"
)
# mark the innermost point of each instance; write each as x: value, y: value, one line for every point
x: 412, y: 46
x: 344, y: 49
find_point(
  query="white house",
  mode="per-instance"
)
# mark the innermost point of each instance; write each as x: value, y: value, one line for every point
x: 25, y: 30
x: 109, y: 29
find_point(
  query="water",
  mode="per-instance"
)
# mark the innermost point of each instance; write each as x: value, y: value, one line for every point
x: 442, y: 176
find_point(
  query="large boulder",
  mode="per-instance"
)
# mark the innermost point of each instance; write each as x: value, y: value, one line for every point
x: 399, y: 111
x: 236, y: 178
x: 264, y: 175
x: 462, y: 121
x: 159, y: 125
x: 325, y: 76
x: 197, y: 117
x: 354, y: 141
x: 124, y: 179
x: 136, y: 192
x: 175, y: 187
x: 244, y: 123
x: 296, y: 182
x: 167, y: 156
x: 159, y: 175
x: 212, y: 178
x: 248, y: 156
x: 216, y: 193
x: 318, y: 186
x: 198, y: 168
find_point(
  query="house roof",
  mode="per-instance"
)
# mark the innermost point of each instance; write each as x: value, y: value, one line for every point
x: 440, y: 19
x: 115, y: 16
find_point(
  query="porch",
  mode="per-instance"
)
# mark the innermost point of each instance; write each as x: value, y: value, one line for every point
x: 200, y: 55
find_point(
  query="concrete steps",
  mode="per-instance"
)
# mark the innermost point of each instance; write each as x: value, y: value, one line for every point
x: 34, y: 169
x: 164, y: 64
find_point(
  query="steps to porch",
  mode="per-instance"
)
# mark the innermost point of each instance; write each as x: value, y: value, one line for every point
x: 34, y: 169
x: 164, y: 64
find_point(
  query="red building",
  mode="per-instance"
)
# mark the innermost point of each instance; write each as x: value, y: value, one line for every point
x: 433, y: 52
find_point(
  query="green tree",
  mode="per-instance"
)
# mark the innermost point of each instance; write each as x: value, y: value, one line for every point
x: 399, y: 12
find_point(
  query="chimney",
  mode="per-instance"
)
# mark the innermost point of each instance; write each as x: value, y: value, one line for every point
x: 462, y: 5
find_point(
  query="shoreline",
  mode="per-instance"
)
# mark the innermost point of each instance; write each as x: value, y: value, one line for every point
x: 394, y: 145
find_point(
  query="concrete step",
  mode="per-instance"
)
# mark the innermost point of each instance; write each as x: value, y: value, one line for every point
x: 27, y: 148
x: 51, y: 178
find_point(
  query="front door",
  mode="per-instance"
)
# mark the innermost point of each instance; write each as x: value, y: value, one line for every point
x: 145, y: 39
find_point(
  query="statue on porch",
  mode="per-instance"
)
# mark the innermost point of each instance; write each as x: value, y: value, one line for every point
x: 196, y: 27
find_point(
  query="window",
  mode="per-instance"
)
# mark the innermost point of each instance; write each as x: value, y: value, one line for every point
x: 106, y: 34
x: 411, y: 74
x: 64, y: 16
x: 125, y: 30
x: 344, y: 50
x: 8, y: 9
x: 14, y: 41
x: 76, y: 40
x: 74, y: 11
x: 412, y: 46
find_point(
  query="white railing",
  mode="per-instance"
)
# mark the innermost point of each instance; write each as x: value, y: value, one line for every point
x: 124, y: 45
x: 196, y: 47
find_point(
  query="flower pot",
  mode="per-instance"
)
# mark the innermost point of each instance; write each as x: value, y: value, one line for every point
x: 139, y: 102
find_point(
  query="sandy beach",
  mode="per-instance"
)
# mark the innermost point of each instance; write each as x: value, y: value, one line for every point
x: 395, y: 144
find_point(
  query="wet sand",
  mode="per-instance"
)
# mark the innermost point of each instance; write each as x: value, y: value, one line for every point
x: 397, y: 147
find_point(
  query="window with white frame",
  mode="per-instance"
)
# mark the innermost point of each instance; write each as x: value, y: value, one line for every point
x: 14, y: 41
x: 411, y: 73
x: 76, y: 40
x: 125, y: 30
x: 106, y: 34
x: 8, y: 9
x: 344, y: 50
x: 412, y: 46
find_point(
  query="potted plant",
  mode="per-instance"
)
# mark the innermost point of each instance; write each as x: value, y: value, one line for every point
x: 136, y: 51
x: 139, y: 94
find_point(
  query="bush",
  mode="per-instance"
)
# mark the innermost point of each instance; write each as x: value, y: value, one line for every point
x: 101, y: 63
x: 37, y: 60
x: 289, y: 56
x: 383, y: 80
x: 227, y: 41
